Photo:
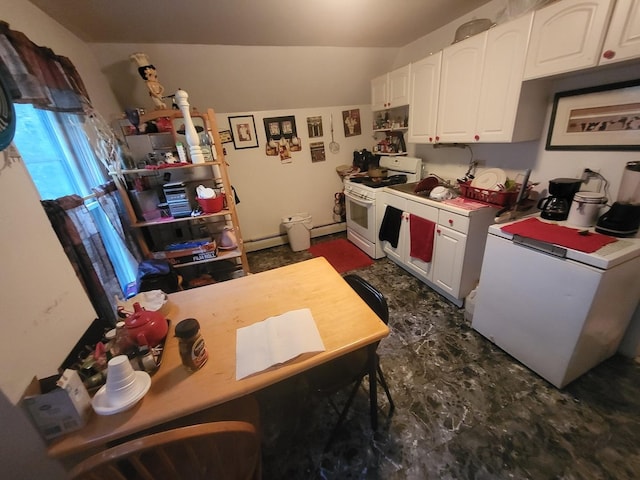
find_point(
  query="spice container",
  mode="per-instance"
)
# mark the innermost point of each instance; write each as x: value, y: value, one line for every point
x: 193, y: 351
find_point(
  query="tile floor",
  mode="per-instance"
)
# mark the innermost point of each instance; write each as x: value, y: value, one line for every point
x: 464, y: 408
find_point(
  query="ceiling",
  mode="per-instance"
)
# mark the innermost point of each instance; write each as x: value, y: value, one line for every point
x: 337, y: 23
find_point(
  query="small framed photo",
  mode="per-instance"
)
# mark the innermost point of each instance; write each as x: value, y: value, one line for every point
x: 226, y: 136
x: 351, y: 120
x: 314, y: 125
x: 243, y: 130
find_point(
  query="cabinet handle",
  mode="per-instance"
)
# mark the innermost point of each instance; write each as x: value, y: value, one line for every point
x: 438, y: 231
x: 431, y: 139
x: 450, y: 221
x: 609, y: 54
x: 437, y: 138
x: 476, y: 137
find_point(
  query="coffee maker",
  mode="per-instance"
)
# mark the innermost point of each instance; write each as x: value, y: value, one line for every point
x: 623, y: 218
x: 557, y: 205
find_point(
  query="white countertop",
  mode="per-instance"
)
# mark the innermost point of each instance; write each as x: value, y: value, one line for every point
x: 406, y: 190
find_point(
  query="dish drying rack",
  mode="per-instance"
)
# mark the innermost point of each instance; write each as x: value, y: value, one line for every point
x: 500, y: 198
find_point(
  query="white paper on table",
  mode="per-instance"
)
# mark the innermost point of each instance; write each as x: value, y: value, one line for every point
x: 276, y: 340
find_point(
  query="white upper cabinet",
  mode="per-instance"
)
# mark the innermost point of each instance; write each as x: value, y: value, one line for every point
x: 479, y: 96
x: 379, y: 95
x: 567, y: 36
x: 391, y: 89
x: 460, y: 82
x: 623, y: 37
x: 424, y: 88
x: 504, y: 115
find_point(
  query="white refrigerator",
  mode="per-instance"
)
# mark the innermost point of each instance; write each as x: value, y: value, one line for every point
x: 558, y: 311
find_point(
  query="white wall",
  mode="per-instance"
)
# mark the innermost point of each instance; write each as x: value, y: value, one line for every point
x: 243, y: 79
x: 44, y: 305
x: 44, y: 308
x: 269, y: 190
x: 264, y: 82
x: 545, y: 165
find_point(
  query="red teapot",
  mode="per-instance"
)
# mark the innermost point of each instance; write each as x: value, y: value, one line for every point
x: 146, y: 327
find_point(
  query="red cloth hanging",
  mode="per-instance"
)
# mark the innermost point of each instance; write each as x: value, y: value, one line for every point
x: 421, y: 233
x: 559, y: 235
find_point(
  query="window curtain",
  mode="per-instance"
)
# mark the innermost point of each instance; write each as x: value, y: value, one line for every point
x: 111, y: 203
x: 81, y: 242
x: 36, y: 75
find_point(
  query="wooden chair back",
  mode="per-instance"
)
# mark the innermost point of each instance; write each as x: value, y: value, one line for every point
x: 224, y: 450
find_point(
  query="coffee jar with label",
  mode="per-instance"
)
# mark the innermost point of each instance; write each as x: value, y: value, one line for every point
x: 193, y: 351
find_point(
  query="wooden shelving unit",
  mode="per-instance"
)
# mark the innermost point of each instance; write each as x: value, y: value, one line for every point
x: 151, y: 234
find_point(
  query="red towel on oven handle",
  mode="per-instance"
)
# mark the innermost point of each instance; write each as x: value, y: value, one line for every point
x: 421, y: 233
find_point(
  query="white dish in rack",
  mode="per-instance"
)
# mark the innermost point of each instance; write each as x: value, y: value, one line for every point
x: 491, y: 179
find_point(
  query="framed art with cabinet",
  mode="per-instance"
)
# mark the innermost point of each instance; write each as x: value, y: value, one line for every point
x: 605, y: 117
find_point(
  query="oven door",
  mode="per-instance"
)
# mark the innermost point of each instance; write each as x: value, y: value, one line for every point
x: 361, y: 216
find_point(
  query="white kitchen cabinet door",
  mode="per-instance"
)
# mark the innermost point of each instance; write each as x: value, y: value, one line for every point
x: 567, y: 36
x: 447, y: 264
x: 391, y: 89
x: 424, y: 88
x: 379, y: 93
x: 399, y: 86
x: 623, y: 37
x: 460, y: 83
x: 502, y: 81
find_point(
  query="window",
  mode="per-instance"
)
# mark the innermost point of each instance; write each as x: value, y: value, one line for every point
x: 60, y: 160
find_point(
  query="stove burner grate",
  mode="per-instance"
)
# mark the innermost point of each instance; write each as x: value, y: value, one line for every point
x: 379, y: 183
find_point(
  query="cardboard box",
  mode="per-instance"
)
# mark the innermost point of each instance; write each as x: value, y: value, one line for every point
x: 57, y: 404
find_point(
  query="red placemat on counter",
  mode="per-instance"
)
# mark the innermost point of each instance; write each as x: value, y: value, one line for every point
x: 559, y: 235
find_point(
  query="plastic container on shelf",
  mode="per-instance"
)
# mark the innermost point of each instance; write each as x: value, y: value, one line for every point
x: 211, y: 205
x: 298, y: 228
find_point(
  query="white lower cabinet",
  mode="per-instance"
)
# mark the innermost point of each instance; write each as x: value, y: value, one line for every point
x: 458, y: 243
x: 448, y: 263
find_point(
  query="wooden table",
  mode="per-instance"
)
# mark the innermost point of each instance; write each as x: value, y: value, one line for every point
x: 344, y: 321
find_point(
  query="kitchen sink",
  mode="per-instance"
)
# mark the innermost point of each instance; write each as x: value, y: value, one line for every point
x: 409, y: 188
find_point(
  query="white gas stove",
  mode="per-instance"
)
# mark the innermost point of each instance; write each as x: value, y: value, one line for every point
x: 360, y: 198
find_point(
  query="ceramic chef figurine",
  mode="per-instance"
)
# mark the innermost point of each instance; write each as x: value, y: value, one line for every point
x: 148, y: 73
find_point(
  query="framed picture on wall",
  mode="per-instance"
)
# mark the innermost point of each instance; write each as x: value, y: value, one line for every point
x: 244, y: 132
x: 276, y: 128
x: 606, y: 117
x: 314, y: 125
x: 226, y: 136
x: 351, y: 120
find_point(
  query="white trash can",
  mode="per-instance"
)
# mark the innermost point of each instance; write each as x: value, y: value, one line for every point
x: 298, y: 230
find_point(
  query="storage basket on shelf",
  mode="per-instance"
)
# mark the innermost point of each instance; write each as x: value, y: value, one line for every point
x: 211, y: 205
x: 502, y: 198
